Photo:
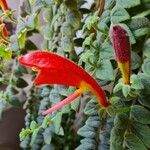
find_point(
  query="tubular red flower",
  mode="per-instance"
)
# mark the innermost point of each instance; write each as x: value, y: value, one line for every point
x: 4, y: 30
x: 54, y: 69
x: 4, y: 5
x: 120, y: 41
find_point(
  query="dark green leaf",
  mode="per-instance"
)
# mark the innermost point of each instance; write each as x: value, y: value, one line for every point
x: 147, y: 48
x: 140, y: 114
x: 21, y: 83
x: 146, y: 66
x: 133, y: 142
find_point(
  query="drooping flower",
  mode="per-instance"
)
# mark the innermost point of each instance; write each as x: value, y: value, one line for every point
x: 121, y: 44
x: 4, y: 5
x: 54, y: 69
x: 4, y: 30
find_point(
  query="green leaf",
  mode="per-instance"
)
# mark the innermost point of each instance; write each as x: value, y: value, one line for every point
x: 128, y: 3
x: 140, y: 114
x: 5, y: 52
x: 47, y: 121
x: 88, y: 40
x: 117, y: 87
x: 141, y: 32
x: 47, y: 134
x: 142, y: 132
x: 22, y: 38
x: 144, y: 100
x: 126, y: 90
x: 87, y: 131
x: 34, y: 135
x: 116, y: 139
x: 32, y: 2
x: 136, y: 82
x: 121, y: 121
x: 84, y: 57
x: 24, y: 133
x: 73, y: 18
x: 67, y: 29
x: 33, y: 125
x: 105, y: 71
x: 75, y: 104
x: 135, y: 60
x: 138, y: 23
x: 133, y: 142
x: 90, y: 22
x: 146, y: 66
x: 146, y: 48
x: 93, y: 121
x: 119, y: 14
x: 57, y: 122
x: 67, y: 44
x: 106, y: 51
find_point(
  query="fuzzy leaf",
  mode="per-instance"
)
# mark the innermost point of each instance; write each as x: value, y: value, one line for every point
x: 87, y: 131
x: 22, y: 38
x: 88, y: 40
x: 47, y: 134
x: 146, y: 66
x: 105, y: 71
x: 135, y: 60
x: 133, y: 142
x: 141, y: 32
x: 140, y: 114
x: 128, y: 3
x: 106, y: 51
x: 142, y: 132
x: 117, y: 87
x: 33, y: 125
x: 119, y: 14
x: 136, y: 82
x: 147, y: 48
x: 126, y: 90
x: 93, y: 121
x: 57, y: 122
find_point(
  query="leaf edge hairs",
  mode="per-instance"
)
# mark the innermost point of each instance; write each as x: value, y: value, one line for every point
x: 55, y: 69
x: 121, y: 45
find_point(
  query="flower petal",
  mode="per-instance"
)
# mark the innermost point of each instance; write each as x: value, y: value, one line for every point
x: 54, y: 69
x: 66, y: 101
x: 4, y: 5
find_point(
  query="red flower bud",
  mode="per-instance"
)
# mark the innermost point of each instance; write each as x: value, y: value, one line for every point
x: 120, y: 41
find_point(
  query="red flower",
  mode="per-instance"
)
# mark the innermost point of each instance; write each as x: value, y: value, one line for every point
x: 54, y: 69
x: 4, y: 30
x: 120, y: 41
x: 4, y: 5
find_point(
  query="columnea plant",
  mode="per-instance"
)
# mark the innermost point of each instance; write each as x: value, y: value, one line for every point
x: 90, y: 73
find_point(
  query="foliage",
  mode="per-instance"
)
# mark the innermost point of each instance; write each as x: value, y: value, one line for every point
x: 75, y: 29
